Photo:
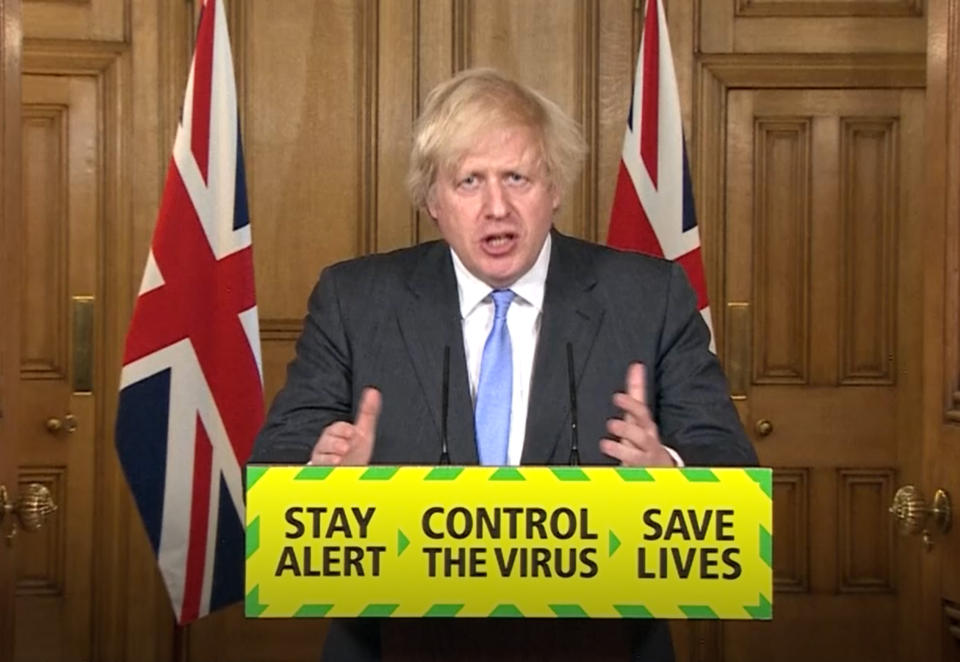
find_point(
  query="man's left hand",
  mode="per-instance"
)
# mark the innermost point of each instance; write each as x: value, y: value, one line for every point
x: 635, y: 439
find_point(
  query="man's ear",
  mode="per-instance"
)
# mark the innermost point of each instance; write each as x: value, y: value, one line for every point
x: 431, y: 204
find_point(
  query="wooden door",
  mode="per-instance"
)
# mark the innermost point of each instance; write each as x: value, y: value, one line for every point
x: 823, y: 236
x: 56, y: 440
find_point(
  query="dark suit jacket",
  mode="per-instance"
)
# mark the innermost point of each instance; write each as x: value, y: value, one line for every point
x: 384, y: 320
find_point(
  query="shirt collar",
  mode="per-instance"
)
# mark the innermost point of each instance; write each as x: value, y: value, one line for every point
x: 529, y: 287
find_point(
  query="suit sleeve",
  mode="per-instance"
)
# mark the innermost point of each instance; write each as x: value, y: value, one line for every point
x: 694, y: 412
x: 318, y: 388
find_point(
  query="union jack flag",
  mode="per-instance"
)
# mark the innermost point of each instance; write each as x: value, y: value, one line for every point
x: 653, y: 209
x: 191, y: 390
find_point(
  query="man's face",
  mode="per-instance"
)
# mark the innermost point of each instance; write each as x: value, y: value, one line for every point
x: 496, y: 206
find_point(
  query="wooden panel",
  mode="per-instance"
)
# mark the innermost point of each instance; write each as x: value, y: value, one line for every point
x: 797, y: 8
x: 819, y: 26
x: 304, y: 127
x: 614, y: 86
x: 397, y: 99
x: 791, y: 527
x: 76, y: 19
x: 44, y: 313
x: 865, y: 533
x: 868, y: 191
x: 41, y: 556
x: 781, y: 250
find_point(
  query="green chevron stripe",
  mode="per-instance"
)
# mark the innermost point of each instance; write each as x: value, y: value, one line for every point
x: 253, y: 475
x: 507, y: 473
x: 763, y: 478
x: 635, y: 474
x: 763, y: 610
x: 444, y: 473
x: 766, y: 546
x: 568, y: 611
x: 443, y: 611
x: 313, y: 473
x: 698, y: 611
x: 378, y: 610
x: 570, y: 473
x: 379, y: 473
x: 633, y: 611
x: 699, y: 475
x: 253, y: 536
x: 312, y: 611
x: 251, y: 604
x: 506, y: 611
x: 402, y: 542
x: 614, y: 543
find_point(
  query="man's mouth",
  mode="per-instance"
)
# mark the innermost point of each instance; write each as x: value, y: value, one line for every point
x: 499, y: 241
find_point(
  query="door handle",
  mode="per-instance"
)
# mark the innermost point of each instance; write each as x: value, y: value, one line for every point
x: 31, y: 509
x: 68, y: 424
x: 912, y: 513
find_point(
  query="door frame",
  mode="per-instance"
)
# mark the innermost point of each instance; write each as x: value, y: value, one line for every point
x: 940, y: 435
x: 10, y: 242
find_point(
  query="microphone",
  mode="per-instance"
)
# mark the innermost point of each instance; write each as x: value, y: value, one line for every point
x: 574, y: 436
x: 445, y: 407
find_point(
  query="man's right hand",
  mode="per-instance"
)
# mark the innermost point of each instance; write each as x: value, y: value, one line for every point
x: 345, y: 443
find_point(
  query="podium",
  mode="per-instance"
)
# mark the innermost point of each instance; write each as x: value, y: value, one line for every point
x: 470, y: 559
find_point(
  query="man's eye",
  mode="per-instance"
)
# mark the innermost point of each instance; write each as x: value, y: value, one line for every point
x: 468, y: 181
x: 516, y: 178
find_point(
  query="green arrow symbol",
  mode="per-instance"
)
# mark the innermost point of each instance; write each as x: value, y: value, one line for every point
x: 614, y: 543
x: 402, y: 542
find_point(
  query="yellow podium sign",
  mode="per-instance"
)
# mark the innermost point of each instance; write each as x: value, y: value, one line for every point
x: 596, y: 542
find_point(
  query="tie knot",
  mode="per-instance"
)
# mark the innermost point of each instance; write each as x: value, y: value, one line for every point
x: 501, y: 301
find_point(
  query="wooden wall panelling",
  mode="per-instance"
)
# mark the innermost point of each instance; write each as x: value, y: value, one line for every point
x: 754, y: 26
x: 397, y: 102
x: 616, y: 62
x: 305, y: 116
x: 94, y: 20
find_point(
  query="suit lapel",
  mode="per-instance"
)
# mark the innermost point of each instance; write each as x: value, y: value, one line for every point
x: 570, y: 315
x: 429, y: 320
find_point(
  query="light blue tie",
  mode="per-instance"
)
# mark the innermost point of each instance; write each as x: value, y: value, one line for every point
x: 495, y: 390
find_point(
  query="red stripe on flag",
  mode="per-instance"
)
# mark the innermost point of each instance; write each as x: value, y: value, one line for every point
x: 630, y: 228
x: 202, y: 75
x: 650, y: 123
x: 692, y: 264
x: 199, y: 520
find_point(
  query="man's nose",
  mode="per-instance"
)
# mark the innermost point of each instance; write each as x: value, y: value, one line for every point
x: 496, y: 200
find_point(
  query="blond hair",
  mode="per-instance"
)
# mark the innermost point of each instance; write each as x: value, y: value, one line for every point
x: 476, y: 101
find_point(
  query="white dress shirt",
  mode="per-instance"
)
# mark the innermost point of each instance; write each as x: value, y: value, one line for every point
x: 523, y: 323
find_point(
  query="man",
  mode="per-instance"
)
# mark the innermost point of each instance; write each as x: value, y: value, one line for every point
x: 508, y: 299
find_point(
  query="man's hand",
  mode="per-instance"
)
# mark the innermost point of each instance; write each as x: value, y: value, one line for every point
x: 636, y: 441
x: 345, y: 443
